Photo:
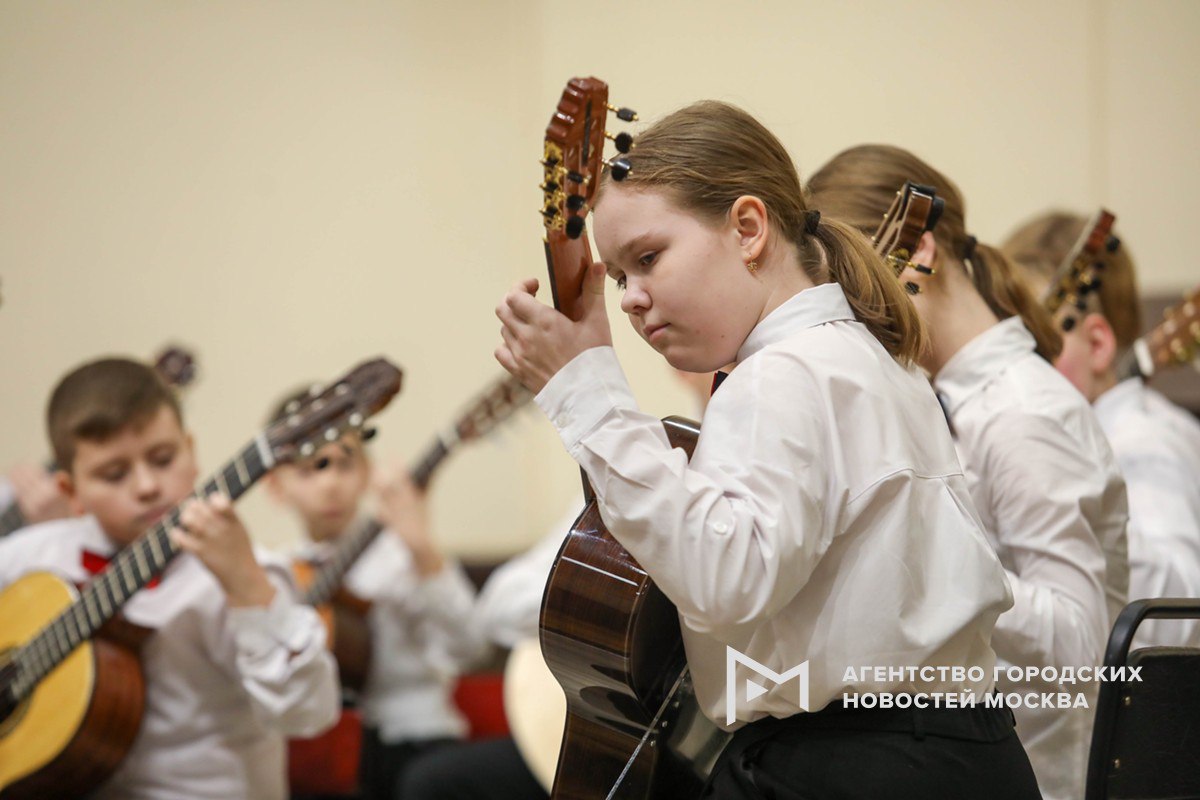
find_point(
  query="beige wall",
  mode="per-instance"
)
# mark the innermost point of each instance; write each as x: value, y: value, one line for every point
x: 291, y: 186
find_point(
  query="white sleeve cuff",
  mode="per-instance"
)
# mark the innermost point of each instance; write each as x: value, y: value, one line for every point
x: 584, y: 392
x: 258, y: 630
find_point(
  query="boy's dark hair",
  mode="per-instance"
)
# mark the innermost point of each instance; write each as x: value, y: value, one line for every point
x: 95, y: 401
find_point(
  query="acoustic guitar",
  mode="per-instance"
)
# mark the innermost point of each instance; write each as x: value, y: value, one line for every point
x: 608, y: 634
x: 175, y: 365
x: 1173, y: 342
x: 1077, y: 280
x: 71, y: 688
x: 915, y: 210
x: 345, y: 614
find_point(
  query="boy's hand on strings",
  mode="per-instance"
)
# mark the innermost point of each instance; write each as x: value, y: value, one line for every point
x: 210, y: 530
x: 539, y: 341
x: 405, y: 510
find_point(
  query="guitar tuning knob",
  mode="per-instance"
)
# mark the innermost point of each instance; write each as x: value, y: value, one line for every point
x: 549, y: 162
x: 576, y: 203
x: 575, y: 177
x: 331, y: 434
x: 1068, y: 324
x: 1112, y: 244
x: 550, y: 212
x: 623, y: 114
x: 575, y: 227
x: 619, y: 168
x: 912, y: 288
x: 549, y: 186
x: 307, y: 449
x: 623, y: 141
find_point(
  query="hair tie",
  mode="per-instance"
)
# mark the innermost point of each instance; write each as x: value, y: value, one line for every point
x: 811, y: 220
x: 968, y: 253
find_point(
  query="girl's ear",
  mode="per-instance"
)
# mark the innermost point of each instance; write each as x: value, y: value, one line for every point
x: 748, y: 216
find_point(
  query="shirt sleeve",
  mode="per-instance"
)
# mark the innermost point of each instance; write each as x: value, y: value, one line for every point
x: 731, y: 537
x: 1164, y: 531
x: 1044, y: 494
x: 510, y: 604
x: 283, y: 663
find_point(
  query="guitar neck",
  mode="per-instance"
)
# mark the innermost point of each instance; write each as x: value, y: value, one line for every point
x: 350, y: 547
x: 12, y: 519
x: 131, y: 570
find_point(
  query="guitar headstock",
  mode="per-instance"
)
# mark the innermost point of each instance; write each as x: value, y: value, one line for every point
x: 1176, y: 340
x: 572, y: 159
x: 176, y: 366
x: 497, y: 403
x: 330, y: 412
x: 915, y: 209
x: 1078, y: 278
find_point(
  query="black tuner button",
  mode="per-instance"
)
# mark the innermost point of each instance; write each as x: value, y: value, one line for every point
x: 549, y: 186
x: 574, y: 177
x: 575, y: 227
x: 1068, y: 324
x: 549, y: 161
x: 576, y: 202
x: 624, y: 114
x: 624, y: 142
x: 924, y: 270
x: 620, y: 169
x: 1112, y: 244
x: 550, y: 212
x: 912, y: 288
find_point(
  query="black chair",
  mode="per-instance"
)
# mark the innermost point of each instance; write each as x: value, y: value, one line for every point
x: 1146, y: 740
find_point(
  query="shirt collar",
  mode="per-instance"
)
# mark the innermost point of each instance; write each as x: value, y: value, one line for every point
x: 1116, y: 399
x: 982, y: 359
x: 809, y: 308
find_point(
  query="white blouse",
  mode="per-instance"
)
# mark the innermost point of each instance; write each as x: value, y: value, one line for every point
x: 1053, y: 504
x: 1157, y: 445
x: 224, y: 686
x: 823, y: 517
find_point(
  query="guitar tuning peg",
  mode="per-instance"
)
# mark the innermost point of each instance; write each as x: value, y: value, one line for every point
x: 575, y: 177
x: 307, y: 449
x: 619, y: 167
x: 576, y: 202
x: 549, y: 212
x: 549, y: 186
x: 291, y: 408
x: 1068, y: 324
x: 575, y: 227
x: 623, y: 141
x: 1112, y: 244
x: 912, y: 288
x: 332, y: 434
x: 369, y: 433
x: 623, y: 114
x: 548, y: 162
x: 356, y: 420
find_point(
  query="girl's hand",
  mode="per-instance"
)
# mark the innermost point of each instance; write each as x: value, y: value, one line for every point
x: 539, y: 341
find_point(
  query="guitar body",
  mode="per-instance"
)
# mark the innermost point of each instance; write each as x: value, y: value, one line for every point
x: 613, y: 642
x: 77, y: 726
x: 347, y: 630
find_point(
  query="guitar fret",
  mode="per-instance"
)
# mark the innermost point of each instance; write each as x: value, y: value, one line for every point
x: 139, y: 560
x: 240, y: 466
x: 156, y: 552
x: 219, y: 480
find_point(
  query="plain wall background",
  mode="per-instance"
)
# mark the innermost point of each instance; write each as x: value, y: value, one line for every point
x: 290, y: 187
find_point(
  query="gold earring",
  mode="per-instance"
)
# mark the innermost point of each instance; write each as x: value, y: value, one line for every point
x: 752, y: 265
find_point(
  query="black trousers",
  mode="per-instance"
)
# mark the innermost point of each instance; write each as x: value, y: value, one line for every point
x: 484, y: 770
x: 893, y: 754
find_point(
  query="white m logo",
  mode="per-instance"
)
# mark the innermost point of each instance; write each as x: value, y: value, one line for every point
x: 753, y: 689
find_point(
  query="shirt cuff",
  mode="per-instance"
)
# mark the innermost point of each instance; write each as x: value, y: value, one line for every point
x: 584, y: 392
x: 259, y: 630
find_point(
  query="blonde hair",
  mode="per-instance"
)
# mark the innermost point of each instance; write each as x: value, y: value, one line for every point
x: 709, y: 154
x: 858, y: 185
x: 1040, y: 246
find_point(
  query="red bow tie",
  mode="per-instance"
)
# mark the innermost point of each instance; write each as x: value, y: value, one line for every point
x: 95, y: 563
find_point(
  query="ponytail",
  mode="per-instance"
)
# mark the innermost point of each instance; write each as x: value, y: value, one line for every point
x: 878, y: 300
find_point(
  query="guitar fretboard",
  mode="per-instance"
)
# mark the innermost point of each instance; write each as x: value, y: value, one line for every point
x: 132, y: 569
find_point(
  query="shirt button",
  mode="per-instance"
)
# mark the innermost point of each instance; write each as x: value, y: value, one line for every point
x: 720, y: 527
